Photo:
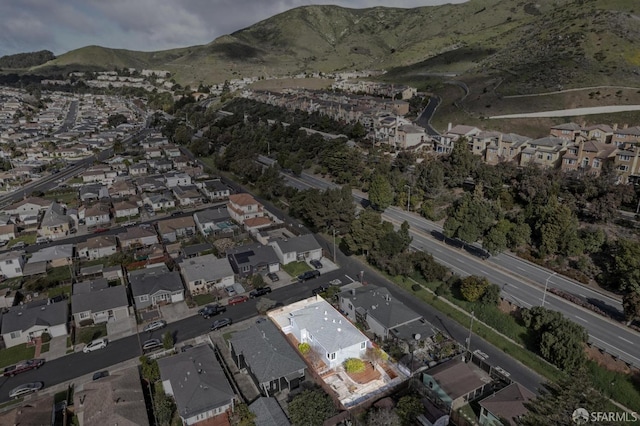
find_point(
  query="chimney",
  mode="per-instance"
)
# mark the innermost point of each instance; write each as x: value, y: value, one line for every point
x: 615, y: 126
x: 583, y: 124
x: 625, y: 126
x: 448, y: 127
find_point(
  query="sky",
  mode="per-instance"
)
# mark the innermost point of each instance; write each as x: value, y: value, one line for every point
x: 147, y: 25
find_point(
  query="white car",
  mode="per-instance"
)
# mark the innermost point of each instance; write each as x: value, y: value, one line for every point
x: 156, y: 325
x: 26, y: 389
x: 95, y: 345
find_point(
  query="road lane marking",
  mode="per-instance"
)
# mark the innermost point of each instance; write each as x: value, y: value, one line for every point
x: 352, y: 280
x: 582, y: 295
x: 484, y: 272
x: 581, y: 319
x: 628, y: 341
x: 522, y: 269
x: 619, y: 350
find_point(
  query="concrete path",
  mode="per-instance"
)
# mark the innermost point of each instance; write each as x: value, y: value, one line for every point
x: 573, y: 112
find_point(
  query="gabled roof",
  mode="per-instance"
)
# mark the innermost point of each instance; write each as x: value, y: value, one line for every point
x: 154, y: 280
x: 268, y: 412
x: 197, y: 381
x: 242, y: 199
x: 378, y: 304
x: 136, y: 232
x: 23, y: 317
x: 508, y: 402
x: 455, y: 378
x: 567, y: 126
x: 91, y: 285
x: 98, y: 242
x: 463, y: 130
x: 43, y: 203
x: 255, y: 222
x: 176, y: 223
x: 11, y: 255
x: 212, y: 215
x: 124, y: 205
x: 54, y: 216
x: 208, y: 268
x: 252, y: 254
x: 99, y: 300
x: 215, y: 185
x: 61, y: 251
x: 195, y: 249
x: 266, y: 352
x: 299, y: 244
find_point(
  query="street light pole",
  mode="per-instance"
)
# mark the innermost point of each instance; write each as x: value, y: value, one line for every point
x: 546, y: 285
x: 408, y: 198
x: 470, y: 330
x: 334, y: 245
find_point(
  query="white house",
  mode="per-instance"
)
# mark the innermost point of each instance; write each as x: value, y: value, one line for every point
x: 174, y: 179
x: 94, y: 302
x: 300, y: 248
x: 161, y: 201
x: 97, y: 214
x: 12, y: 263
x: 214, y: 189
x: 125, y: 209
x: 23, y: 323
x: 243, y: 206
x: 97, y: 247
x: 29, y: 207
x: 203, y: 273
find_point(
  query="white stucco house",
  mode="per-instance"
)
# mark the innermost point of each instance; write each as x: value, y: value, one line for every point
x: 202, y: 273
x: 23, y: 323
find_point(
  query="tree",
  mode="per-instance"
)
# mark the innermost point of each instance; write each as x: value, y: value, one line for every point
x: 163, y: 408
x: 116, y: 119
x: 167, y: 340
x: 631, y: 306
x: 496, y: 240
x: 408, y: 409
x: 459, y: 164
x: 558, y: 400
x: 364, y: 232
x: 491, y: 296
x: 353, y: 365
x: 430, y: 177
x: 150, y: 369
x: 311, y: 408
x: 257, y: 281
x: 380, y: 192
x: 468, y: 218
x: 625, y: 264
x: 382, y: 417
x: 473, y: 288
x: 242, y: 416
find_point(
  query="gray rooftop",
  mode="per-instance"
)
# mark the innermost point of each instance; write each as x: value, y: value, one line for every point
x: 253, y: 254
x: 47, y: 254
x: 378, y: 303
x: 154, y: 280
x: 197, y: 381
x: 268, y: 412
x: 207, y: 268
x: 213, y: 215
x: 99, y: 300
x: 299, y: 244
x: 54, y: 216
x: 23, y: 317
x: 195, y: 249
x: 90, y: 285
x: 267, y: 352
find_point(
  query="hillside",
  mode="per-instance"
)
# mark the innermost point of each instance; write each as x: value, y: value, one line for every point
x: 523, y: 46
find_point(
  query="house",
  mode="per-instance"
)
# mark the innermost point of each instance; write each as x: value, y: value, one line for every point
x: 139, y: 169
x: 374, y: 307
x: 202, y: 273
x: 154, y: 286
x: 173, y: 179
x: 187, y: 195
x: 268, y: 412
x: 626, y: 135
x: 198, y: 384
x: 117, y: 399
x: 122, y: 188
x: 93, y: 192
x: 409, y: 136
x: 330, y: 335
x: 568, y: 131
x: 253, y: 259
x: 54, y: 256
x: 177, y: 227
x: 136, y: 236
x: 150, y: 184
x: 12, y: 263
x: 161, y: 165
x: 171, y: 151
x: 37, y: 411
x: 125, y: 209
x: 161, y: 201
x: 588, y: 156
x: 8, y: 232
x: 243, y: 206
x: 599, y: 132
x: 627, y: 165
x: 505, y: 406
x: 28, y: 207
x: 94, y: 302
x: 196, y: 250
x: 454, y: 383
x: 506, y: 148
x: 97, y: 214
x: 269, y: 359
x: 97, y: 247
x: 544, y: 152
x: 300, y: 248
x: 256, y: 223
x: 55, y: 222
x: 214, y: 221
x: 23, y: 323
x: 214, y: 189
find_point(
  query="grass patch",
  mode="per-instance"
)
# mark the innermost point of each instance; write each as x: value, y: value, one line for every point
x: 57, y: 291
x: 10, y: 356
x: 203, y: 299
x: 27, y: 239
x: 227, y: 336
x: 68, y: 198
x: 296, y: 268
x: 12, y: 283
x: 44, y: 348
x: 617, y: 386
x: 11, y: 403
x: 127, y: 219
x: 87, y: 334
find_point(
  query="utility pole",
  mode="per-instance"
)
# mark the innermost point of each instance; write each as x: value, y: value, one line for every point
x: 546, y: 285
x: 470, y: 330
x: 408, y: 198
x: 334, y: 245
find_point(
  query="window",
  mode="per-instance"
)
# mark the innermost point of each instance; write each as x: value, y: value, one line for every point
x: 9, y: 261
x: 624, y: 157
x: 540, y: 156
x: 350, y: 307
x: 549, y: 157
x: 331, y: 356
x: 16, y: 334
x: 144, y: 298
x: 596, y: 163
x: 623, y: 168
x: 84, y: 315
x: 18, y: 271
x: 363, y: 345
x: 246, y: 268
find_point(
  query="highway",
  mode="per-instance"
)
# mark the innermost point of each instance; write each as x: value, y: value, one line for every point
x: 521, y: 282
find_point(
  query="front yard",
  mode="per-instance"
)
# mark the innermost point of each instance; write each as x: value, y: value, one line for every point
x: 203, y: 299
x: 87, y: 334
x: 16, y: 354
x: 296, y: 268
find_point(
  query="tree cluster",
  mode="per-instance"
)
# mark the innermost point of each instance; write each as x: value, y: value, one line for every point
x: 26, y: 60
x: 311, y: 408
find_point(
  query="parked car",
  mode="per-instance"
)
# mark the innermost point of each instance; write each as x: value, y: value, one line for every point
x: 273, y: 276
x: 73, y: 230
x: 318, y: 290
x: 237, y: 299
x: 43, y: 240
x: 186, y: 348
x: 316, y: 263
x: 19, y: 245
x: 95, y: 345
x: 260, y: 292
x: 155, y: 325
x: 211, y: 310
x: 26, y: 389
x: 308, y: 275
x: 100, y: 230
x: 23, y: 366
x: 230, y: 290
x: 223, y: 322
x: 151, y: 344
x: 177, y: 213
x: 100, y: 374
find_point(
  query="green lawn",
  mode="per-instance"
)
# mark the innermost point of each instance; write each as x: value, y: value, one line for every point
x: 89, y: 333
x: 203, y: 299
x: 61, y: 289
x: 27, y: 239
x: 296, y: 268
x: 16, y: 354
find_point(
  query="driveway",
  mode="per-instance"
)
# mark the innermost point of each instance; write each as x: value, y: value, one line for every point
x: 121, y: 328
x: 176, y: 311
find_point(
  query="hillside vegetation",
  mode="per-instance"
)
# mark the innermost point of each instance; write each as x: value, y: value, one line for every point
x: 26, y: 60
x: 526, y: 46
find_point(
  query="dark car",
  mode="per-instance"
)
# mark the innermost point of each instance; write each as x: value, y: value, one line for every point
x: 308, y: 275
x: 237, y: 299
x: 177, y: 213
x: 273, y: 276
x: 100, y: 230
x: 151, y: 345
x: 211, y: 310
x: 260, y: 292
x: 316, y: 263
x: 318, y: 290
x: 23, y: 366
x: 222, y: 322
x: 186, y: 348
x: 100, y: 374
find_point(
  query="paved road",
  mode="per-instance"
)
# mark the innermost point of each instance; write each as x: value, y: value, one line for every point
x: 573, y: 112
x: 520, y: 281
x: 424, y: 120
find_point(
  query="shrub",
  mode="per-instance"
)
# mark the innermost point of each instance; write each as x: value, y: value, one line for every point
x: 304, y: 348
x: 46, y: 337
x: 416, y: 287
x: 353, y: 365
x: 86, y: 322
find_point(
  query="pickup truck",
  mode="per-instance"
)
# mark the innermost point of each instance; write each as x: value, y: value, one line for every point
x: 23, y: 367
